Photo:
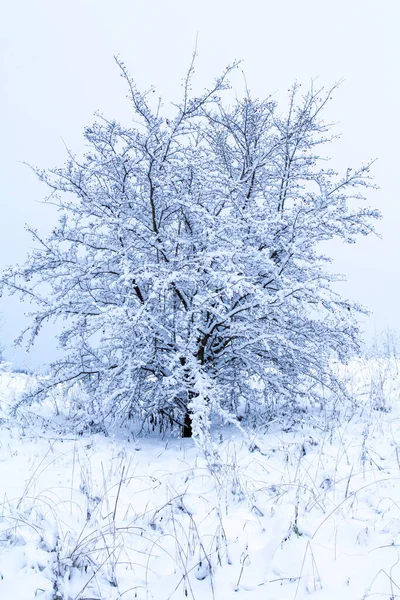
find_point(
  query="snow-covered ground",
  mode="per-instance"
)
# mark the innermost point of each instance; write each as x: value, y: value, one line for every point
x: 304, y: 510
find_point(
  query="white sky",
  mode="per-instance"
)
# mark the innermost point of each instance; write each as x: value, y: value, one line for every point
x: 57, y: 68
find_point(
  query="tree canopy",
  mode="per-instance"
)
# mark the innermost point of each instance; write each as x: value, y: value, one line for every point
x: 187, y: 263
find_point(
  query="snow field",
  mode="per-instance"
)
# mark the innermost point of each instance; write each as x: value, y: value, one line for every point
x: 303, y: 509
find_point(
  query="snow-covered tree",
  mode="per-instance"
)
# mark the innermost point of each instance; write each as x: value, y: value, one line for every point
x: 187, y: 263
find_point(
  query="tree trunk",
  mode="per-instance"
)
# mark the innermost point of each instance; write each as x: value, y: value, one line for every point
x: 187, y: 430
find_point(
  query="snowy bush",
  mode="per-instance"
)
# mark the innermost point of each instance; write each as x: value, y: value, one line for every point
x: 186, y: 263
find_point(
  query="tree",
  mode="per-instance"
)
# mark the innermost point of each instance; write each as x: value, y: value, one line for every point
x: 187, y: 259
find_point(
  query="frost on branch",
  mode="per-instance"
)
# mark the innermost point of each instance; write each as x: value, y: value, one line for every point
x: 186, y: 264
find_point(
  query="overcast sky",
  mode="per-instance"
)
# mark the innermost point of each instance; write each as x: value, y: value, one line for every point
x: 57, y: 69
